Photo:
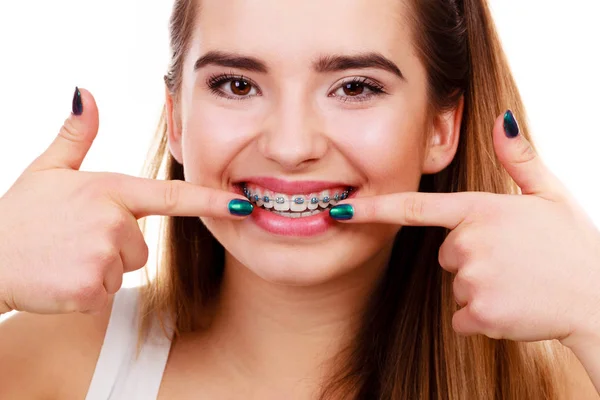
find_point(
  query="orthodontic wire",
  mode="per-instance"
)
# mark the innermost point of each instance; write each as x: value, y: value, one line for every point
x: 297, y: 200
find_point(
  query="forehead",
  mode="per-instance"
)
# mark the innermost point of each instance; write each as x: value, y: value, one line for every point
x: 292, y: 29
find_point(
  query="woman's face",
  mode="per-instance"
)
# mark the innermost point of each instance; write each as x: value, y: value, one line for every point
x: 303, y: 100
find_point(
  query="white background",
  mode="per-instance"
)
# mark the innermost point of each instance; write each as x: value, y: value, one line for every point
x: 118, y: 49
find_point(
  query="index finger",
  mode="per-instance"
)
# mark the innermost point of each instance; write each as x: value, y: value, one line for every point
x: 408, y: 209
x: 144, y: 197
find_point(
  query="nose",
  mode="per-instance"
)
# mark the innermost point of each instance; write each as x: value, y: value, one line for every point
x: 292, y: 136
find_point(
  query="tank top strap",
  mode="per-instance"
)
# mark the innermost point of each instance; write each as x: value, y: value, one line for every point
x: 119, y: 374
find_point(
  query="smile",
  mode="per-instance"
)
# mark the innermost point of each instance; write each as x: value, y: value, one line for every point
x: 293, y: 208
x: 295, y: 205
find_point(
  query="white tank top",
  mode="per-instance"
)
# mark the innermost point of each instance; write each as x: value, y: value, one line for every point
x: 118, y: 374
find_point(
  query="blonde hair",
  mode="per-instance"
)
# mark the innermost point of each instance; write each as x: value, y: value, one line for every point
x: 419, y: 356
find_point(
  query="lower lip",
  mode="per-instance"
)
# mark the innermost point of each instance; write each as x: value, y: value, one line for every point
x: 303, y: 226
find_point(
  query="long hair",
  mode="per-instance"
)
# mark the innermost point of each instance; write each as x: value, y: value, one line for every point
x: 406, y: 347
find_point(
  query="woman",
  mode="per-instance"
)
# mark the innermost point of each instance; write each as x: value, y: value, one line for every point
x: 316, y: 268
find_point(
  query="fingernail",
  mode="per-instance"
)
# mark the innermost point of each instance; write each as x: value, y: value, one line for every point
x: 342, y: 212
x: 240, y: 208
x: 77, y: 104
x: 511, y: 127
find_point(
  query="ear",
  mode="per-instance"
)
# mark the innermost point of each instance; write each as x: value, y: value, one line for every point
x: 443, y: 142
x: 173, y: 130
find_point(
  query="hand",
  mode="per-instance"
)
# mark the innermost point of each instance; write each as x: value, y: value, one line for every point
x: 68, y: 236
x: 527, y: 266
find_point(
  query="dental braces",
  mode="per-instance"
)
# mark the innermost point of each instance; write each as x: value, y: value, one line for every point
x: 297, y: 200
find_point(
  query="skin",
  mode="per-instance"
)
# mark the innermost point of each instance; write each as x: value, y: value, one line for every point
x: 300, y: 296
x: 526, y: 267
x: 278, y: 321
x: 295, y: 131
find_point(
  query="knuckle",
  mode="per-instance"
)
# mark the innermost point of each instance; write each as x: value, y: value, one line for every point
x: 457, y: 322
x: 479, y: 311
x: 69, y: 131
x: 462, y: 244
x: 172, y: 193
x: 140, y: 259
x: 457, y: 284
x: 492, y: 211
x: 87, y: 292
x: 109, y: 181
x: 467, y: 280
x: 525, y: 153
x: 213, y: 202
x: 97, y: 185
x: 444, y: 255
x: 91, y: 187
x: 116, y: 221
x: 457, y: 248
x: 488, y: 317
x: 468, y: 276
x: 413, y: 210
x: 114, y: 282
x: 106, y: 255
x: 371, y: 210
x: 144, y: 253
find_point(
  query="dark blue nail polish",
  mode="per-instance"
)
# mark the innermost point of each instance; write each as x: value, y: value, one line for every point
x: 342, y: 212
x: 511, y: 127
x: 77, y: 104
x: 240, y: 208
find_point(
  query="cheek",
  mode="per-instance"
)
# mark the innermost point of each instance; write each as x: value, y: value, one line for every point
x: 384, y: 144
x: 212, y: 138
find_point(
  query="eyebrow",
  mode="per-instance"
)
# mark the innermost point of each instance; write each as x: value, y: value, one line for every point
x: 231, y: 60
x: 334, y: 63
x: 329, y: 63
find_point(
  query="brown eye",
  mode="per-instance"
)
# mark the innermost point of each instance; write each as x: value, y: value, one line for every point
x: 353, y: 88
x: 240, y: 87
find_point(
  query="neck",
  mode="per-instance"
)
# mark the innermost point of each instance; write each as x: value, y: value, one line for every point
x: 289, y: 335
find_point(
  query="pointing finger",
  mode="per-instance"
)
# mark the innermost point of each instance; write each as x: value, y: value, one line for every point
x: 144, y: 197
x: 409, y: 209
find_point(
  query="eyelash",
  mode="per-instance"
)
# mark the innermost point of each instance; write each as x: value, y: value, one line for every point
x: 375, y: 89
x: 215, y: 82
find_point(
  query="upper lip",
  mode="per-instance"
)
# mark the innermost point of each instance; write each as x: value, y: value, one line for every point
x: 293, y: 187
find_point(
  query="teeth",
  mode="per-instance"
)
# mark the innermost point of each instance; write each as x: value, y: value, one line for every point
x: 311, y: 204
x: 282, y: 202
x: 260, y: 201
x: 297, y: 215
x: 268, y: 204
x: 334, y: 199
x: 324, y: 199
x: 298, y: 203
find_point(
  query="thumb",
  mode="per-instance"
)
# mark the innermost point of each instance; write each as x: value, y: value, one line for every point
x: 75, y: 137
x: 521, y: 161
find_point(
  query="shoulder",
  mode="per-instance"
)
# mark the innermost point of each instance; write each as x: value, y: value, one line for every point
x: 50, y: 355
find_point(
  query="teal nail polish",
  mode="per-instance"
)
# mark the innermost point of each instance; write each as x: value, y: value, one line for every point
x: 342, y: 212
x: 511, y: 127
x: 240, y: 208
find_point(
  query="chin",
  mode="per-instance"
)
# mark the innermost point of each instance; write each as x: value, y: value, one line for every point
x: 301, y: 261
x: 293, y: 267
